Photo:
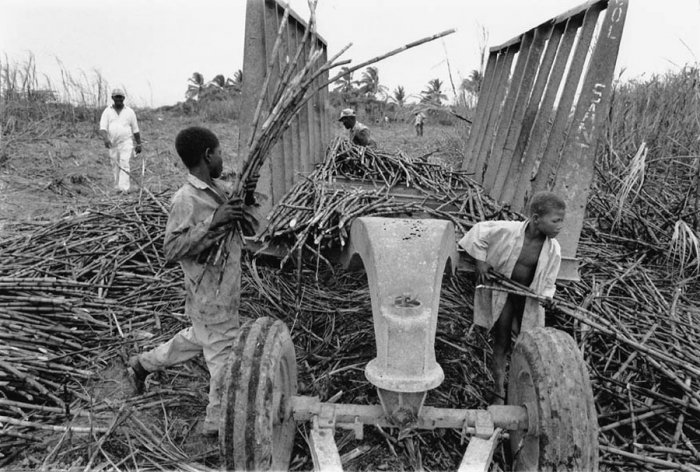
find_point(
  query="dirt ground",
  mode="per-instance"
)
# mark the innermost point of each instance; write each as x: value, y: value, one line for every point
x: 48, y: 177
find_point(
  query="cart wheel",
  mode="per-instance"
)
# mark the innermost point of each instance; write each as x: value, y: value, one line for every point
x: 257, y: 431
x: 548, y: 374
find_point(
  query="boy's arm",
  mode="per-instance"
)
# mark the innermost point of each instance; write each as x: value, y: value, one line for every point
x: 185, y: 239
x: 476, y: 243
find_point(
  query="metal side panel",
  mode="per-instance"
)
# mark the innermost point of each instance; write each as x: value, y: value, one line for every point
x: 304, y: 141
x: 576, y: 171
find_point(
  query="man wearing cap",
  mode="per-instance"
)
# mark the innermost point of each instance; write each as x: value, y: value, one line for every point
x: 357, y: 132
x: 117, y: 125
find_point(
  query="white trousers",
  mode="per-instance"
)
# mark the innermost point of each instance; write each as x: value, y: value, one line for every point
x: 214, y: 341
x: 120, y: 155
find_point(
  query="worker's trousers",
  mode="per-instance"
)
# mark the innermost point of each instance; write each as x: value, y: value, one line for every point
x: 119, y: 156
x: 214, y: 341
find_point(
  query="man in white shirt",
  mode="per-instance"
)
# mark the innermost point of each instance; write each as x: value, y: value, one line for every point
x: 117, y: 126
x: 418, y: 123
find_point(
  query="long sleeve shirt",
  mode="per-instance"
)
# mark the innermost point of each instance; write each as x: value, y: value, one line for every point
x: 212, y: 291
x: 499, y: 244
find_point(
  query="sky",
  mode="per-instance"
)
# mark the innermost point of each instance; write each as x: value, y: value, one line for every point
x: 151, y: 47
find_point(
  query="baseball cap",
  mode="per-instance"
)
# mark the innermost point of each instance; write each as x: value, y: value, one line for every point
x: 346, y: 112
x: 118, y: 91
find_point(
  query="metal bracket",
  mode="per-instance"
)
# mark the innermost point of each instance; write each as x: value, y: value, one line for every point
x: 325, y: 417
x: 533, y: 418
x: 357, y: 427
x: 484, y: 425
x: 479, y: 453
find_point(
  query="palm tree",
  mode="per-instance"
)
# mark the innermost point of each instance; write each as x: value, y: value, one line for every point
x: 369, y: 83
x: 399, y: 96
x: 195, y: 85
x: 433, y: 94
x: 345, y: 83
x: 472, y: 84
x: 238, y: 77
x: 218, y: 81
x: 234, y: 85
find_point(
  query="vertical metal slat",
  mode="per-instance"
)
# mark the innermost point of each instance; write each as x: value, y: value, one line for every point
x: 519, y: 165
x: 508, y: 110
x: 487, y: 84
x: 500, y: 190
x: 532, y: 152
x: 550, y: 158
x: 492, y: 115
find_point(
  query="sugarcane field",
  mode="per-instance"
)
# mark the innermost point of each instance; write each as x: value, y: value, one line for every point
x: 303, y: 267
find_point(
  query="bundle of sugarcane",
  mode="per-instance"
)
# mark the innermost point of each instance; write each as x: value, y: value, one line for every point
x: 296, y: 85
x: 316, y: 213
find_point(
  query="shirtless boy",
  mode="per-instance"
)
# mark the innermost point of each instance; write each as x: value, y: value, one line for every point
x: 526, y: 252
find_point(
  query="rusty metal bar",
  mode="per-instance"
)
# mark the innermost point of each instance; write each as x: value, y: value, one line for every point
x: 288, y: 137
x: 519, y: 166
x: 513, y: 87
x: 508, y: 417
x: 254, y: 49
x: 493, y: 104
x: 479, y: 123
x: 532, y: 153
x: 501, y: 191
x: 551, y: 155
x: 298, y: 134
x: 576, y: 171
x: 276, y: 160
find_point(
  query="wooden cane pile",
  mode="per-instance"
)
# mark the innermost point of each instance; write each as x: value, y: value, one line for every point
x: 316, y: 213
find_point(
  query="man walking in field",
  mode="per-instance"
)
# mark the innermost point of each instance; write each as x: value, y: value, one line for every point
x: 418, y: 123
x: 117, y: 126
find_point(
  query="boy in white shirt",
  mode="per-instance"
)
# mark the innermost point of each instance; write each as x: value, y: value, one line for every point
x: 526, y: 252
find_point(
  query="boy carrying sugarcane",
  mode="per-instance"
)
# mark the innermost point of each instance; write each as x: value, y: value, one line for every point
x: 201, y: 215
x: 526, y: 252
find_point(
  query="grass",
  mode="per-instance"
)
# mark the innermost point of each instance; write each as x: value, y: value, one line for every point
x: 647, y: 180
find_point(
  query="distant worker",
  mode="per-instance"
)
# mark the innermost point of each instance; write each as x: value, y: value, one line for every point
x: 357, y: 132
x: 117, y: 126
x: 200, y: 215
x: 418, y: 123
x: 526, y: 252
